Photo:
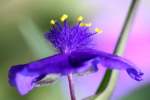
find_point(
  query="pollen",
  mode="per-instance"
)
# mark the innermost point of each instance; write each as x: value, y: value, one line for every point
x: 98, y: 30
x: 85, y: 24
x: 52, y: 22
x: 63, y: 17
x: 88, y: 24
x: 80, y: 18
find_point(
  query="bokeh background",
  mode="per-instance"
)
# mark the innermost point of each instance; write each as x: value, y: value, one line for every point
x: 23, y: 22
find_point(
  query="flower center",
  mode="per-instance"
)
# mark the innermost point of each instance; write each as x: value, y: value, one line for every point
x: 67, y: 38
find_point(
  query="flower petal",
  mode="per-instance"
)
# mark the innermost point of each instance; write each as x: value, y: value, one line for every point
x: 137, y: 75
x: 21, y: 79
x: 107, y: 60
x: 27, y: 76
x: 24, y: 83
x: 56, y: 64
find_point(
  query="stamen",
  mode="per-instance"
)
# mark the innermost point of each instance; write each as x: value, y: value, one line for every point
x: 88, y: 24
x: 52, y: 22
x: 63, y: 17
x: 85, y: 24
x: 80, y: 18
x: 98, y: 30
x: 82, y: 24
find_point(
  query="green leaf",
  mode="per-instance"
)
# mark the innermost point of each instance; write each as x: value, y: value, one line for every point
x: 109, y: 81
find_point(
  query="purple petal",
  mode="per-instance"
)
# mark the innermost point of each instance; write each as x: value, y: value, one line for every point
x: 26, y: 76
x: 137, y: 75
x: 107, y: 60
x: 52, y: 64
x: 12, y: 73
x: 24, y: 83
x: 22, y: 79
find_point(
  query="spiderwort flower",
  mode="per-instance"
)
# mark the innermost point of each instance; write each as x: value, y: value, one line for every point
x: 75, y: 56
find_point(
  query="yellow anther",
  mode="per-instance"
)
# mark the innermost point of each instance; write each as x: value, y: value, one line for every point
x: 82, y: 24
x: 85, y: 24
x: 63, y: 17
x: 98, y: 30
x: 80, y: 18
x: 52, y: 22
x: 88, y: 24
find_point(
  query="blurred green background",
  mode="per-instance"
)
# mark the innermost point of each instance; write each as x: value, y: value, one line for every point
x: 22, y: 24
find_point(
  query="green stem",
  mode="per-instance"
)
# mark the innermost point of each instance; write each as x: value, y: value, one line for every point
x: 110, y: 78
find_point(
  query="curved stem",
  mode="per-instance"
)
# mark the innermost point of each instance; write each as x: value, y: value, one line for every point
x: 110, y: 78
x: 71, y: 87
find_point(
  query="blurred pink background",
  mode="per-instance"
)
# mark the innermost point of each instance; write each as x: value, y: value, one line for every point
x: 110, y: 17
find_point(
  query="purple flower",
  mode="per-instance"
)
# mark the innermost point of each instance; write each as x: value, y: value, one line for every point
x: 75, y: 55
